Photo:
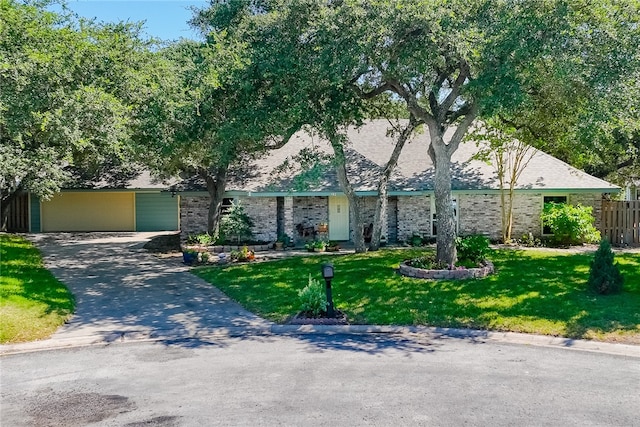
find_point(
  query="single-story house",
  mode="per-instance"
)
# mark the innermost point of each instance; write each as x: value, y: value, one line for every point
x: 279, y: 199
x: 144, y: 204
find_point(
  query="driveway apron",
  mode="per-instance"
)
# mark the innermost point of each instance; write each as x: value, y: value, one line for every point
x: 121, y: 289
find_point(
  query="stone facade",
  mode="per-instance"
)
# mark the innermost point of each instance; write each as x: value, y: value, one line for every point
x: 589, y: 199
x: 482, y: 214
x: 193, y: 215
x: 194, y: 211
x: 414, y: 216
x: 406, y: 215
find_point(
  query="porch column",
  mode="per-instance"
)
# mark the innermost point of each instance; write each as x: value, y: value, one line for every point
x: 289, y: 226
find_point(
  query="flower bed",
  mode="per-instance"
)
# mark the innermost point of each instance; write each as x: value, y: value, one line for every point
x: 453, y: 274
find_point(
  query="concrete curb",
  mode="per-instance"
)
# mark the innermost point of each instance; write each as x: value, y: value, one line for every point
x: 110, y: 338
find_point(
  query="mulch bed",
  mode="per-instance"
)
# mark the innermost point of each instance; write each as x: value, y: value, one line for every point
x: 304, y: 318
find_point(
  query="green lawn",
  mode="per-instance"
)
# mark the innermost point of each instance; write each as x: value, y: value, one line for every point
x: 33, y: 304
x: 534, y: 291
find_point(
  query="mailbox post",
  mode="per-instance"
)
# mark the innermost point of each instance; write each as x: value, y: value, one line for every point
x: 327, y: 273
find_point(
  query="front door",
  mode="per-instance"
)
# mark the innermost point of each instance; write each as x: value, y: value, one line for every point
x: 338, y: 218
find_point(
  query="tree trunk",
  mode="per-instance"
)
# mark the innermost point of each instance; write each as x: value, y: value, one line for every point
x: 445, y: 220
x: 216, y: 184
x: 383, y: 183
x: 7, y: 199
x: 347, y: 188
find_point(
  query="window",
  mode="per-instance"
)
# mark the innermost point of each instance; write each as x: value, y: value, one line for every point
x: 552, y: 199
x: 434, y: 226
x: 227, y: 202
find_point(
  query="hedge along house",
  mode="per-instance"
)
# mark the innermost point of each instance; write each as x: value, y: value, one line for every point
x: 281, y: 199
x: 143, y: 204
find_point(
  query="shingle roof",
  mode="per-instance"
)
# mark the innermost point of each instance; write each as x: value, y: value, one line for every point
x: 369, y: 149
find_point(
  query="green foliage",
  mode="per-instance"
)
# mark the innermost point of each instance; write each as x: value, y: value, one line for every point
x: 428, y: 262
x: 570, y: 224
x: 33, y: 303
x: 529, y: 240
x: 313, y: 298
x: 236, y: 224
x: 316, y: 244
x: 473, y: 249
x: 284, y: 238
x: 67, y: 91
x: 604, y: 275
x: 416, y: 240
x: 243, y: 254
x: 204, y: 239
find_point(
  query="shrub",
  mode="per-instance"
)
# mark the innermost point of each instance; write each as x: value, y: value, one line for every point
x: 570, y: 224
x: 204, y: 239
x: 472, y: 249
x: 529, y: 240
x: 604, y: 275
x: 427, y: 262
x: 313, y: 298
x: 416, y: 240
x: 236, y: 224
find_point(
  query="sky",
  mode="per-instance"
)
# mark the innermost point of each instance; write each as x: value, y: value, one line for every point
x: 164, y: 19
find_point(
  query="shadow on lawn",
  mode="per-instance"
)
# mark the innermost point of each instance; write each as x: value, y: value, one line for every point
x: 549, y: 290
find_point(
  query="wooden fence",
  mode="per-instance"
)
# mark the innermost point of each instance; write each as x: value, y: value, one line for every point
x: 621, y: 222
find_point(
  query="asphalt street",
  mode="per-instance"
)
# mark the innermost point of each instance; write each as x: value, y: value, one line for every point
x: 319, y: 379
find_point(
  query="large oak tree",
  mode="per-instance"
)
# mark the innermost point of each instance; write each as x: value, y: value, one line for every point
x: 67, y: 87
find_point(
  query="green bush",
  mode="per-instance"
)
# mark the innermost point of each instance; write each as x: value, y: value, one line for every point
x: 204, y: 239
x: 570, y: 224
x: 236, y: 224
x: 604, y: 275
x: 416, y: 240
x: 472, y: 249
x: 313, y: 298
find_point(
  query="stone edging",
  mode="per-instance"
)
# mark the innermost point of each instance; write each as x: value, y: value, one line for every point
x: 467, y: 273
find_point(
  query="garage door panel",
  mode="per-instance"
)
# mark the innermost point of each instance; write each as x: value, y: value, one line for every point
x: 89, y: 212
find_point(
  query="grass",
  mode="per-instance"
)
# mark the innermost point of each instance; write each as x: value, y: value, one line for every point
x: 533, y: 291
x: 33, y: 304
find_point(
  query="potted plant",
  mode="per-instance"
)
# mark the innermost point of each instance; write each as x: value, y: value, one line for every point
x: 189, y: 256
x: 283, y: 241
x: 244, y: 254
x: 333, y: 246
x: 316, y: 246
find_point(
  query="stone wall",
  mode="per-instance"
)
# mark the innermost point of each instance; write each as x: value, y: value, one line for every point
x: 481, y: 214
x: 414, y: 216
x: 263, y: 211
x: 193, y: 215
x: 309, y: 211
x: 477, y: 214
x: 589, y: 199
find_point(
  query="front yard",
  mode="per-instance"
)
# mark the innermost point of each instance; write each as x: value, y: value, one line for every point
x: 33, y: 304
x: 534, y: 291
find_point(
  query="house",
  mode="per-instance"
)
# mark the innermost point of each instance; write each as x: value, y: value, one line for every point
x: 144, y: 204
x: 279, y: 199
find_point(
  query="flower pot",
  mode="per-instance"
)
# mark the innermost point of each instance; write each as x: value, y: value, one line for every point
x: 189, y: 257
x: 279, y: 246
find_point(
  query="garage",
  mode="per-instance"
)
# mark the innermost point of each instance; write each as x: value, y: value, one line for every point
x: 89, y: 211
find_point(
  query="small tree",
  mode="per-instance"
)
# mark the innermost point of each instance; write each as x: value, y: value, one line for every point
x: 236, y: 224
x: 604, y: 276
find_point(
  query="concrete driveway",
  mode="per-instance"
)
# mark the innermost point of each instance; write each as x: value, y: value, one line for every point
x: 122, y: 290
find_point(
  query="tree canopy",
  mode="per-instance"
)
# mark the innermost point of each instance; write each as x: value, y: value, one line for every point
x: 66, y: 90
